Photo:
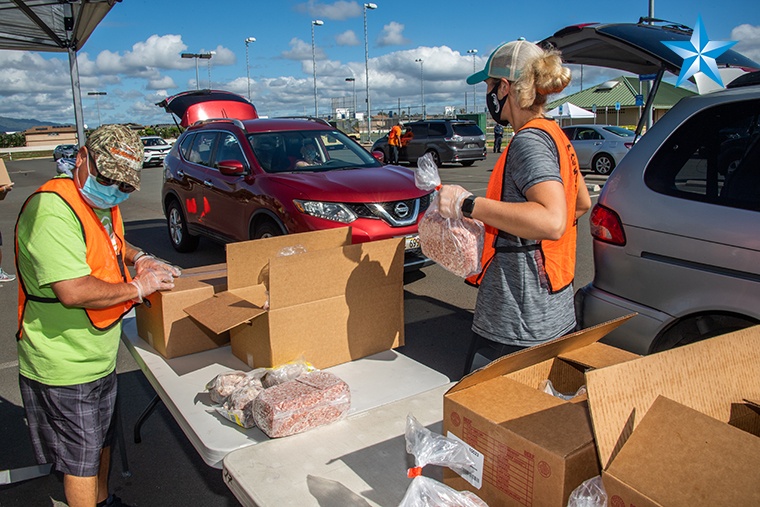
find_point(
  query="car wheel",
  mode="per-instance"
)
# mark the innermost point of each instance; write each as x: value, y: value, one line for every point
x: 467, y: 163
x: 691, y: 330
x: 603, y: 164
x: 436, y: 157
x: 265, y: 229
x: 179, y: 235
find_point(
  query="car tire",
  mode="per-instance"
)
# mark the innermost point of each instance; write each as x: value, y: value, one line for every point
x: 603, y: 164
x: 265, y: 229
x: 179, y: 235
x: 436, y: 157
x: 467, y: 163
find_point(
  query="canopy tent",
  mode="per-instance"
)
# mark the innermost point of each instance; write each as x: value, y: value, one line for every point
x: 568, y: 110
x: 53, y: 25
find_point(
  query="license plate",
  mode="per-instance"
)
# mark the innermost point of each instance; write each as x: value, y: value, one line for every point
x: 470, y: 145
x: 412, y: 242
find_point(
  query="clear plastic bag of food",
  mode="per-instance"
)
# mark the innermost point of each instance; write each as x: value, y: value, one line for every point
x: 286, y: 372
x: 455, y: 244
x: 429, y: 448
x: 427, y: 492
x: 547, y: 387
x: 238, y: 407
x: 590, y: 493
x: 223, y: 385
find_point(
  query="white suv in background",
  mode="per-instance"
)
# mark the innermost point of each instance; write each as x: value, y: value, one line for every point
x: 156, y: 149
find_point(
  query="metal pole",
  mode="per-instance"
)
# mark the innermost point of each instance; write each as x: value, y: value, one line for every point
x: 317, y: 22
x: 474, y: 52
x: 366, y: 70
x: 247, y: 65
x: 78, y: 115
x: 422, y: 86
x: 197, y: 79
x: 97, y: 103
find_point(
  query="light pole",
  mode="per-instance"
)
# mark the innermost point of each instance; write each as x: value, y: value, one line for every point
x: 204, y: 56
x: 208, y: 65
x: 316, y: 22
x: 97, y: 103
x: 247, y: 65
x: 352, y: 80
x: 422, y: 87
x: 366, y: 70
x: 473, y: 52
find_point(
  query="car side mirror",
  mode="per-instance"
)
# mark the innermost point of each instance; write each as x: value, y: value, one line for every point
x: 379, y: 155
x: 231, y: 167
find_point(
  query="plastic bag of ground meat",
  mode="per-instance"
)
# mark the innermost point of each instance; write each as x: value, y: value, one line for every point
x: 456, y: 245
x: 238, y: 407
x: 313, y: 399
x: 285, y: 372
x: 221, y: 386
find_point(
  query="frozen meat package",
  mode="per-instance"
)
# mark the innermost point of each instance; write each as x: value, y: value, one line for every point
x: 311, y: 400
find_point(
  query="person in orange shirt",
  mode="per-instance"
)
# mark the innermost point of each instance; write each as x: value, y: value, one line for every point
x: 394, y: 141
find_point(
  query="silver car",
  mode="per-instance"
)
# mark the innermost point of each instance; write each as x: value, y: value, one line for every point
x: 677, y: 226
x: 600, y: 147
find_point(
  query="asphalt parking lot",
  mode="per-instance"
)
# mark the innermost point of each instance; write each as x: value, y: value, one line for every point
x: 165, y: 468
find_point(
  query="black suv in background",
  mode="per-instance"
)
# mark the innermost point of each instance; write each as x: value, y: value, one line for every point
x: 449, y: 141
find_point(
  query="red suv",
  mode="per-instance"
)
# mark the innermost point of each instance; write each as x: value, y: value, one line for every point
x: 237, y: 179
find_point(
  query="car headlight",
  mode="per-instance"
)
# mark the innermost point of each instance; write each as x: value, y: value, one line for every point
x: 328, y: 210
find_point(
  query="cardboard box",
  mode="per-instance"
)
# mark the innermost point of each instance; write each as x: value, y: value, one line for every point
x: 329, y: 303
x: 166, y: 326
x: 5, y: 178
x: 536, y: 448
x: 664, y: 424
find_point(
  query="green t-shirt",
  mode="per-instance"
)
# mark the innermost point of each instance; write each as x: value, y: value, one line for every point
x: 59, y: 345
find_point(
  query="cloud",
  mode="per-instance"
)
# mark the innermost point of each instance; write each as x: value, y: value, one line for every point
x: 338, y: 11
x: 300, y: 50
x: 161, y: 83
x: 347, y: 38
x: 748, y: 37
x: 392, y: 35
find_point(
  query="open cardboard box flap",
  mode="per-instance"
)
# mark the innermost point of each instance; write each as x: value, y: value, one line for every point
x: 247, y: 259
x: 228, y: 309
x: 708, y: 376
x: 560, y: 347
x: 691, y: 459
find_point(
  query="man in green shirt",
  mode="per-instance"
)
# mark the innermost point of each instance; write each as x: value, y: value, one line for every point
x: 74, y: 289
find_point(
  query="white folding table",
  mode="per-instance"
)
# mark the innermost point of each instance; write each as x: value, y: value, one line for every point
x: 360, y: 461
x: 180, y: 383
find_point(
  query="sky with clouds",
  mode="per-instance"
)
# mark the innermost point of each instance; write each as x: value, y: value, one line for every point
x: 134, y: 54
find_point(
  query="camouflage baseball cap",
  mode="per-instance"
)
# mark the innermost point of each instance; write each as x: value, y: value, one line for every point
x: 118, y: 153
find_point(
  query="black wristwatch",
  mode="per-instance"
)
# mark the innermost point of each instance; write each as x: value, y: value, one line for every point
x: 467, y: 206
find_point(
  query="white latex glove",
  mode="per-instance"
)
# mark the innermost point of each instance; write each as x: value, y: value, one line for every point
x: 148, y: 282
x: 149, y: 263
x: 450, y: 199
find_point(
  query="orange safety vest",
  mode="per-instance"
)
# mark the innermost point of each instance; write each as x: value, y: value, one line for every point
x: 104, y: 262
x: 394, y: 136
x: 559, y: 255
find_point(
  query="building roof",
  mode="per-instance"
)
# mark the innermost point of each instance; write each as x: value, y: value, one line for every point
x: 49, y: 129
x: 622, y: 89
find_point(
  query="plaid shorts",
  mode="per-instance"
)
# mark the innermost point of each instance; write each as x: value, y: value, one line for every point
x: 69, y: 425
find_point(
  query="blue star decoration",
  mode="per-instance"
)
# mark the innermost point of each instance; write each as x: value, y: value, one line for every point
x: 699, y: 54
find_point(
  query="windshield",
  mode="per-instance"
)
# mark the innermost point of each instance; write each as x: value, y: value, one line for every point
x: 620, y: 131
x: 308, y: 150
x: 154, y: 141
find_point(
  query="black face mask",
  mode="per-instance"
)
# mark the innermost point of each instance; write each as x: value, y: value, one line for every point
x: 495, y: 105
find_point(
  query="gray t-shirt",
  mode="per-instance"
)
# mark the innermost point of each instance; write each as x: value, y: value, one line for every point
x: 514, y: 305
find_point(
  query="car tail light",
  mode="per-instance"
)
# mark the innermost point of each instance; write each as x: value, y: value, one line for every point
x: 628, y: 145
x: 606, y: 226
x: 456, y: 138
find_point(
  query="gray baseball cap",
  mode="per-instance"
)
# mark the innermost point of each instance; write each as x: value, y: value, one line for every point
x: 507, y: 61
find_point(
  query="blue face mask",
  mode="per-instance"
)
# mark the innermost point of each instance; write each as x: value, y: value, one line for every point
x: 101, y: 196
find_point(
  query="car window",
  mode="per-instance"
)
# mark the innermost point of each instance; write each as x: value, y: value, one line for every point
x: 467, y: 129
x: 419, y: 130
x: 570, y: 132
x: 587, y: 135
x: 185, y: 146
x: 620, y: 131
x: 308, y: 150
x: 437, y: 130
x: 229, y: 148
x: 713, y: 157
x: 200, y: 153
x: 154, y: 141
